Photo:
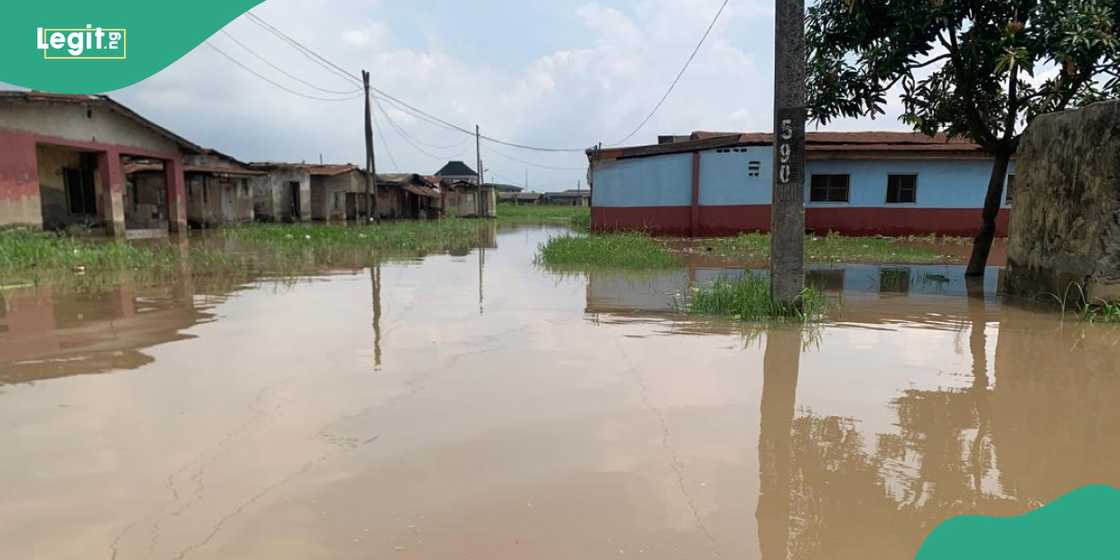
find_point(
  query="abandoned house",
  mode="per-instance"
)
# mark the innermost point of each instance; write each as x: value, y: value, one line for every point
x: 570, y: 197
x: 462, y: 199
x: 338, y: 192
x: 407, y: 196
x: 282, y: 193
x: 218, y: 191
x: 63, y: 165
x: 457, y: 171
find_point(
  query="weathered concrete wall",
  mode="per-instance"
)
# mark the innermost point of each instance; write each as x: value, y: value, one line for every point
x: 19, y: 182
x: 328, y: 194
x: 272, y: 195
x: 217, y: 201
x: 91, y: 123
x: 1066, y: 225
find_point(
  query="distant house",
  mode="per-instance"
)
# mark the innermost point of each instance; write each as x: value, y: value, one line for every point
x: 338, y: 192
x: 283, y: 192
x: 408, y: 196
x: 505, y: 188
x: 62, y: 160
x: 520, y: 198
x: 467, y: 200
x: 571, y: 197
x: 457, y: 171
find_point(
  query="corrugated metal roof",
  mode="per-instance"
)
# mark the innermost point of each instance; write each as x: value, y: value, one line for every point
x: 818, y: 144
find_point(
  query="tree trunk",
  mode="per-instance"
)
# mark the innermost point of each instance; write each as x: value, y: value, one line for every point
x: 982, y: 246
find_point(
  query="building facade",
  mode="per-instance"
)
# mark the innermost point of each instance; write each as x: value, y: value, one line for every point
x: 860, y: 183
x: 62, y: 160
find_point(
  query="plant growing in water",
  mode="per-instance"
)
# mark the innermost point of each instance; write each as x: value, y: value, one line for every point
x: 616, y: 250
x: 748, y: 299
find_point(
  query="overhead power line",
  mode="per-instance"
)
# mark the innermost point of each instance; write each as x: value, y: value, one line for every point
x: 284, y: 72
x: 384, y: 143
x: 678, y: 78
x: 401, y: 132
x: 403, y: 105
x: 273, y: 82
x: 534, y: 164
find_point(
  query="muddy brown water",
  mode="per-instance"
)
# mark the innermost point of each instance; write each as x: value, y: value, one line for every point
x: 478, y: 406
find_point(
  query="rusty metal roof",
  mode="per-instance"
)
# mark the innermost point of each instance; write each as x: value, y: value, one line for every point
x: 820, y: 145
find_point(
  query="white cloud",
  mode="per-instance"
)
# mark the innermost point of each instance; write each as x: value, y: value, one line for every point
x: 597, y: 88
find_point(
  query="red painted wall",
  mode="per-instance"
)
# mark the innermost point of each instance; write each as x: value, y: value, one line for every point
x: 730, y: 220
x: 19, y: 174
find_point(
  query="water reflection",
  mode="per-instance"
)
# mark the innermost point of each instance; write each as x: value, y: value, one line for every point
x: 577, y: 416
x: 46, y: 334
x: 996, y: 438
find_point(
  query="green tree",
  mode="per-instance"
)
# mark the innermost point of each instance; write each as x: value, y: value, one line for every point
x: 979, y: 69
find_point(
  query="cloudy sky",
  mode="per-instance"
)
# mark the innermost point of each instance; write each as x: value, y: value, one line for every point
x: 560, y: 73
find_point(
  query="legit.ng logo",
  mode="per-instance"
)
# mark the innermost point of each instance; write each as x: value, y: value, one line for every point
x: 88, y: 43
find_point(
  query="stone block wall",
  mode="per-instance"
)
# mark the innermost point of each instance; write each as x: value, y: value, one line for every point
x: 1065, y: 226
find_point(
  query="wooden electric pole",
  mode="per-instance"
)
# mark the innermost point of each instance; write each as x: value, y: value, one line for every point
x: 371, y: 164
x: 787, y: 207
x: 478, y: 164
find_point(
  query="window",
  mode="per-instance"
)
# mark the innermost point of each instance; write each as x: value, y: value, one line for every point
x: 754, y: 168
x: 1010, y: 188
x: 829, y: 188
x: 902, y: 189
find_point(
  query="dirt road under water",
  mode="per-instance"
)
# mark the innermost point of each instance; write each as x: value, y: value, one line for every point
x: 479, y: 406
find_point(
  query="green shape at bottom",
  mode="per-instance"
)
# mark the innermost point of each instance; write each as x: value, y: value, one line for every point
x: 1084, y: 524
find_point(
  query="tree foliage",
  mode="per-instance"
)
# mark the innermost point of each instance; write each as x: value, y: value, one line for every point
x: 980, y: 69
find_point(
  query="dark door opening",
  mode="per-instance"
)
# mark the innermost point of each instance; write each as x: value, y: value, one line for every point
x: 81, y: 198
x: 293, y: 207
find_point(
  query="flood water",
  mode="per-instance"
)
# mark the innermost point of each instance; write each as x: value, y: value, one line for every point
x: 479, y: 406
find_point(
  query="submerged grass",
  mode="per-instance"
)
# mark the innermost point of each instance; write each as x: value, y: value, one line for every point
x: 578, y: 217
x: 748, y: 299
x: 830, y: 248
x: 616, y: 250
x: 28, y: 256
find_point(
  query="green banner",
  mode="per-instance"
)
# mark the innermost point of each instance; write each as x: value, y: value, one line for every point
x: 78, y: 46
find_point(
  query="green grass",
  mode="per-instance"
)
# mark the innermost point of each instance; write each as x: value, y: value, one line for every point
x: 616, y: 250
x: 406, y: 237
x: 748, y: 299
x: 831, y: 248
x: 576, y: 216
x: 1105, y: 312
x: 28, y: 256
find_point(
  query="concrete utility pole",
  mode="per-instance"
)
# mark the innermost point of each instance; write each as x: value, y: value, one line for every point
x: 371, y: 164
x: 787, y: 208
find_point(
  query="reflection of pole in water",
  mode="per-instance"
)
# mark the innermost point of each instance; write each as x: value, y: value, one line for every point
x: 779, y: 392
x: 375, y: 280
x: 481, y: 266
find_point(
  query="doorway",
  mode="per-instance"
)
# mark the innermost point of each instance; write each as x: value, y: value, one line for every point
x: 293, y: 204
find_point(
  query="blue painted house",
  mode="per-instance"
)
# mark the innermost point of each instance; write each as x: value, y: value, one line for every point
x: 856, y: 183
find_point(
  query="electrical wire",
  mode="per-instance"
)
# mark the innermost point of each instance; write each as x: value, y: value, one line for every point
x: 384, y: 142
x: 400, y: 132
x: 678, y: 78
x: 403, y: 105
x: 284, y: 72
x: 534, y: 164
x: 277, y: 84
